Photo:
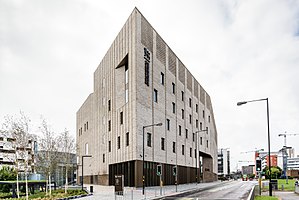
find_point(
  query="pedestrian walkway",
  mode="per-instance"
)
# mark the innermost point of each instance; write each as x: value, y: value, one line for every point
x: 132, y: 193
x: 283, y: 195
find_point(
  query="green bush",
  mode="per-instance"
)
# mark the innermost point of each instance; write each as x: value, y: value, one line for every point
x: 7, y: 174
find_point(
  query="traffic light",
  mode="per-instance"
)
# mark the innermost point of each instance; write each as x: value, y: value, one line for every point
x: 174, y: 171
x: 258, y: 165
x: 159, y: 170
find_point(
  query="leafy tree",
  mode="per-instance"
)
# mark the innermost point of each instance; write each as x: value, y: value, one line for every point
x: 7, y: 174
x: 275, y: 172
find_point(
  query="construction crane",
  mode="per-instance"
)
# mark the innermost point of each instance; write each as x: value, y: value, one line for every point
x: 285, y: 154
x: 285, y: 136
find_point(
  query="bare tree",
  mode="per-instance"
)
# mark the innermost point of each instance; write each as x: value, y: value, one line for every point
x: 67, y: 147
x: 47, y: 157
x: 16, y: 129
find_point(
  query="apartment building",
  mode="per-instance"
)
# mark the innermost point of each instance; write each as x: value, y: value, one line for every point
x: 223, y: 162
x: 139, y: 84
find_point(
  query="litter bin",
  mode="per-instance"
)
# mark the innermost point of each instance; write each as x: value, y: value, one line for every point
x: 91, y: 189
x: 274, y: 184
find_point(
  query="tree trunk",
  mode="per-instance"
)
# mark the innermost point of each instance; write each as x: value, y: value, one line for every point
x: 18, y: 190
x: 50, y: 188
x: 26, y: 182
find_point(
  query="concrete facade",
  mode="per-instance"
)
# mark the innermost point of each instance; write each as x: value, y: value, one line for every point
x: 141, y: 82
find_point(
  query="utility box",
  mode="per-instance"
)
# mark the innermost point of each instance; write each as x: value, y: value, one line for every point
x: 119, y: 184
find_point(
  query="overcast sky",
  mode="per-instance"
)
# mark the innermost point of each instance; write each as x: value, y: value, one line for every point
x: 236, y: 49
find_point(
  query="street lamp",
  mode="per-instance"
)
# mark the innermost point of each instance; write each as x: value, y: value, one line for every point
x: 268, y: 125
x: 143, y: 171
x: 84, y: 156
x: 197, y: 154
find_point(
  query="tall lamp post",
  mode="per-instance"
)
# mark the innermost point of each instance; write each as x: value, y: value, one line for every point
x: 143, y: 171
x: 84, y: 156
x: 197, y: 154
x: 269, y: 152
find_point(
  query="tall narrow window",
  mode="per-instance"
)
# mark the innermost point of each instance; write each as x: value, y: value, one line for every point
x: 190, y: 102
x: 190, y: 119
x: 109, y: 105
x: 183, y: 114
x: 193, y: 137
x: 173, y: 88
x: 209, y: 119
x: 155, y: 95
x: 207, y: 128
x: 109, y: 146
x: 173, y: 147
x: 196, y: 123
x: 200, y: 140
x: 146, y: 73
x: 203, y: 114
x: 121, y: 118
x: 109, y: 125
x: 127, y: 138
x: 118, y: 142
x: 190, y: 152
x: 86, y: 125
x: 149, y: 139
x: 200, y: 126
x: 186, y: 133
x: 195, y: 154
x: 168, y: 124
x: 207, y: 143
x: 180, y: 130
x: 162, y: 143
x: 173, y: 107
x: 183, y: 149
x: 196, y: 108
x: 182, y: 96
x: 103, y: 158
x: 162, y: 78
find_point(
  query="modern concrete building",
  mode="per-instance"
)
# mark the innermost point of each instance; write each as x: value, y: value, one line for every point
x: 139, y: 83
x: 223, y: 162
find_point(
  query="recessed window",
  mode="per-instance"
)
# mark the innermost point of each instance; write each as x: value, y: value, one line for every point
x: 203, y: 114
x: 183, y: 114
x: 195, y: 154
x: 173, y: 88
x: 209, y: 119
x: 109, y: 105
x: 182, y: 96
x: 180, y: 130
x: 162, y: 78
x: 127, y: 139
x: 207, y: 143
x: 173, y: 147
x: 173, y: 107
x: 200, y: 140
x: 207, y: 128
x: 121, y: 116
x: 183, y: 149
x: 149, y: 139
x: 190, y: 102
x: 155, y: 95
x: 196, y: 123
x: 187, y: 133
x: 86, y: 125
x: 146, y: 73
x: 193, y: 137
x: 109, y: 146
x: 162, y: 143
x: 109, y: 125
x: 118, y: 142
x: 190, y: 119
x: 190, y: 152
x: 196, y: 108
x: 168, y: 124
x: 103, y: 158
x: 200, y: 126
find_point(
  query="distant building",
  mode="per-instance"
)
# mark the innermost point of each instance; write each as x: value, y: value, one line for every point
x: 293, y: 173
x: 248, y: 169
x: 293, y: 163
x: 223, y: 162
x: 139, y: 84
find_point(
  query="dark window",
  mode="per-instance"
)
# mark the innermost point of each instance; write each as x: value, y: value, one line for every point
x: 118, y: 142
x: 196, y: 123
x: 190, y: 102
x: 183, y: 114
x: 109, y: 125
x: 200, y: 140
x: 109, y: 105
x: 127, y: 139
x: 180, y: 130
x: 162, y: 78
x: 209, y: 119
x: 193, y: 137
x: 121, y: 118
x: 190, y: 119
x: 173, y: 107
x: 86, y: 125
x: 200, y: 126
x: 183, y: 149
x: 146, y: 73
x: 173, y: 147
x: 168, y: 124
x: 173, y: 88
x: 203, y: 114
x: 207, y: 143
x: 186, y: 133
x: 109, y: 146
x: 103, y: 158
x: 190, y: 152
x: 182, y: 96
x: 162, y: 143
x: 207, y: 130
x: 155, y: 95
x: 195, y: 153
x: 149, y: 139
x: 196, y: 108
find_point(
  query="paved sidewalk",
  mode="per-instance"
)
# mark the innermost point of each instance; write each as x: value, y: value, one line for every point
x: 130, y: 193
x: 283, y: 195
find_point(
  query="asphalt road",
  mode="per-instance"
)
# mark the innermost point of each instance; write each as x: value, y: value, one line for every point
x: 234, y: 190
